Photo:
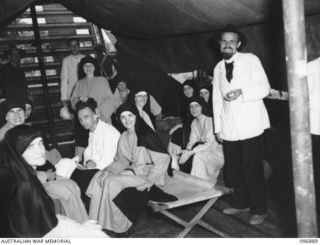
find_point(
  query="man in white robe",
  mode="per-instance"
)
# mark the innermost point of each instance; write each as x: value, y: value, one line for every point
x: 240, y: 118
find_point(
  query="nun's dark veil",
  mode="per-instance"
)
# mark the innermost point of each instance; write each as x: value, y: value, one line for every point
x: 146, y: 108
x: 205, y: 107
x: 146, y: 137
x: 26, y: 210
x: 208, y: 87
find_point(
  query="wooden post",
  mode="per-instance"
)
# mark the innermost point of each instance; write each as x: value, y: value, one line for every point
x: 43, y: 75
x: 295, y: 43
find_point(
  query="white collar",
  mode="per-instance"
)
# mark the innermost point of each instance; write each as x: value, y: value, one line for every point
x: 97, y: 129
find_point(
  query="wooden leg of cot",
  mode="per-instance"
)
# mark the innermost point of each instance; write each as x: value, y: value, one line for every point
x: 195, y: 220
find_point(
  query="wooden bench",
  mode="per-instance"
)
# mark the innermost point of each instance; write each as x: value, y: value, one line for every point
x: 190, y: 189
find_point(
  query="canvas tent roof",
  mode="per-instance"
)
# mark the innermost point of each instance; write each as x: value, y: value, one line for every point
x: 145, y: 19
x: 178, y: 35
x: 167, y: 33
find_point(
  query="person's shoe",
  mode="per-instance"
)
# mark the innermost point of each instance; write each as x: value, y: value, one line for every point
x: 125, y: 234
x: 257, y: 219
x: 234, y: 210
x: 110, y: 233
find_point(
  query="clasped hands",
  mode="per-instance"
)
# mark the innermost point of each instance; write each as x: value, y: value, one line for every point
x: 186, y: 154
x: 159, y: 117
x: 84, y: 98
x: 90, y: 164
x: 233, y: 94
x: 51, y: 175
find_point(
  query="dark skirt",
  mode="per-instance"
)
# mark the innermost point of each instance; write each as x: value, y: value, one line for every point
x: 81, y: 135
x: 83, y: 178
x: 181, y: 136
x: 187, y: 166
x: 133, y: 203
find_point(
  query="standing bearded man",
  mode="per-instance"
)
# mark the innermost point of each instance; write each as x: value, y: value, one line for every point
x: 240, y: 118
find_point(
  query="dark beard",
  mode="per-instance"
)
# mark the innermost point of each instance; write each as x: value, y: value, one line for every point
x: 227, y: 56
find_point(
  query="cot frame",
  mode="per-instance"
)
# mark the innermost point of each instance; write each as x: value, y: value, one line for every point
x: 211, y: 195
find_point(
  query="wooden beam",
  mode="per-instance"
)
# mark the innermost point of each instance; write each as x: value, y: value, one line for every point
x: 295, y: 43
x: 48, y: 111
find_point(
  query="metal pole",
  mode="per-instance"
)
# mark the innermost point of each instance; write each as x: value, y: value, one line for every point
x: 295, y: 43
x: 43, y: 74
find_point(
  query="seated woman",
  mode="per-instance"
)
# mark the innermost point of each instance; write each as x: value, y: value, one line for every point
x: 179, y: 135
x: 13, y: 113
x: 141, y: 161
x: 26, y: 210
x: 29, y: 109
x: 102, y: 147
x: 91, y: 85
x: 59, y: 188
x: 203, y: 151
x: 148, y: 107
x: 122, y: 92
x: 205, y: 92
x: 64, y: 190
x: 142, y: 103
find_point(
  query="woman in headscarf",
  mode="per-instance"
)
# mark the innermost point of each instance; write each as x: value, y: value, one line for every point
x: 29, y: 109
x: 203, y: 151
x: 142, y: 103
x: 26, y: 210
x: 141, y: 161
x: 205, y: 91
x: 57, y: 187
x: 179, y: 135
x: 91, y: 85
x: 148, y: 108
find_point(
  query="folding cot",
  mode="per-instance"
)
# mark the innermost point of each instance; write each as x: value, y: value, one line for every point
x: 190, y: 189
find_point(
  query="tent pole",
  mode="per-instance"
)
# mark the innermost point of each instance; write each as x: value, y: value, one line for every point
x: 295, y: 43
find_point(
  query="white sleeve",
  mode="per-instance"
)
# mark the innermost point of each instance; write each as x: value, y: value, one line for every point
x: 259, y: 86
x: 110, y: 144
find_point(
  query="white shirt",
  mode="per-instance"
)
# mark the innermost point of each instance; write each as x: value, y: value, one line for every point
x: 102, y: 146
x: 314, y: 95
x: 69, y: 74
x: 246, y: 117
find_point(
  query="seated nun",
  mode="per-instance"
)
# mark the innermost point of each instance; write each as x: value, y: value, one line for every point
x: 205, y: 91
x: 26, y: 210
x: 122, y: 92
x: 203, y: 151
x: 179, y: 134
x: 63, y: 189
x: 141, y: 162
